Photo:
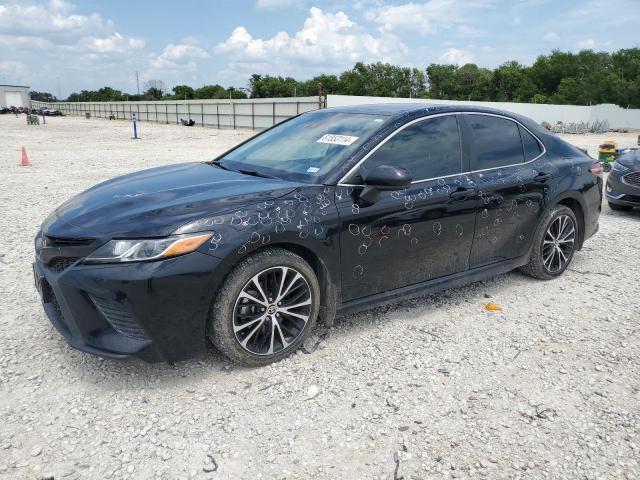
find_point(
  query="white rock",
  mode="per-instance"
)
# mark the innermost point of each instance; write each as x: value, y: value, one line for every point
x: 312, y: 392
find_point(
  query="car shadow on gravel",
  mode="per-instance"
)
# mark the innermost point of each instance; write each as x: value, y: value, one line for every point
x: 134, y: 373
x: 634, y: 213
x: 418, y: 306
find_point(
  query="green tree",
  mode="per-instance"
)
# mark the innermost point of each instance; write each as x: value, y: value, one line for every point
x: 269, y: 86
x: 512, y: 84
x: 42, y: 96
x: 329, y: 85
x: 235, y: 93
x: 209, y: 91
x: 548, y: 70
x: 183, y: 92
x: 382, y: 80
x: 105, y: 94
x: 153, y: 93
x: 442, y: 81
x: 472, y: 83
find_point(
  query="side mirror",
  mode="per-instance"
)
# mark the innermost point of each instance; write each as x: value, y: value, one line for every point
x: 388, y: 177
x: 383, y: 178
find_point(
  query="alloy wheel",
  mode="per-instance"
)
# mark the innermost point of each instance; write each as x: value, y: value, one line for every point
x: 272, y: 310
x: 558, y: 244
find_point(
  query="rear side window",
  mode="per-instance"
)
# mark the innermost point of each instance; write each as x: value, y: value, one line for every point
x: 428, y: 149
x: 496, y: 141
x: 532, y: 147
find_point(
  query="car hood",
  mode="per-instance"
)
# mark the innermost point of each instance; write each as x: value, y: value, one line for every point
x: 156, y: 201
x: 630, y: 159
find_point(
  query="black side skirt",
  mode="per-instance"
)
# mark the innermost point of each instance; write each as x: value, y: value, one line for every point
x: 434, y: 285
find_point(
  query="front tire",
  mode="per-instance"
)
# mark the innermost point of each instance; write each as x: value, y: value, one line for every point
x: 265, y: 308
x: 553, y: 244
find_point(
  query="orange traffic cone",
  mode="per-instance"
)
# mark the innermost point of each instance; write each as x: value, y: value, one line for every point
x: 25, y: 160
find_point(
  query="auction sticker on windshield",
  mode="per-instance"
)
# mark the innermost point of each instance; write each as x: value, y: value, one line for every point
x: 337, y: 139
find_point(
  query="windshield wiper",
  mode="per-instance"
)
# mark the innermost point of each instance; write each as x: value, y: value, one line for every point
x: 219, y: 165
x: 254, y: 173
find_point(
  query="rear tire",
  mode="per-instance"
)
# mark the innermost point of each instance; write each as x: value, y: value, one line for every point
x: 614, y: 206
x: 265, y: 309
x: 553, y: 244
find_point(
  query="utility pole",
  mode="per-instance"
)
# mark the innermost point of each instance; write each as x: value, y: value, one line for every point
x: 137, y: 82
x: 59, y: 95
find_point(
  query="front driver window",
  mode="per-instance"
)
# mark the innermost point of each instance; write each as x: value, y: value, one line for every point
x: 429, y: 148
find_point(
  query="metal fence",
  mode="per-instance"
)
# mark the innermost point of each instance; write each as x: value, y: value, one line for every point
x: 252, y: 113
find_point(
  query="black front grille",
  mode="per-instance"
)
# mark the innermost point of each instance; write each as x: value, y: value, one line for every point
x: 48, y: 296
x: 632, y: 179
x: 120, y: 318
x: 50, y: 241
x: 56, y: 305
x: 58, y: 264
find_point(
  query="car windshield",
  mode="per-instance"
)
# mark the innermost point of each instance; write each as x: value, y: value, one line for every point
x: 304, y: 148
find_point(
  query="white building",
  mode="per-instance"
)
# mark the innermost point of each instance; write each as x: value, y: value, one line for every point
x: 14, y: 96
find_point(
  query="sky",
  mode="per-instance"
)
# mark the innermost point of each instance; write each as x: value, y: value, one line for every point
x: 92, y: 43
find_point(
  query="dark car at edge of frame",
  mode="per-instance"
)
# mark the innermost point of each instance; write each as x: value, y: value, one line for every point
x: 326, y: 213
x: 623, y: 181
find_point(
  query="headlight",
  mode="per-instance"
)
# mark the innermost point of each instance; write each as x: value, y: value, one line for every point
x: 618, y: 167
x: 118, y: 251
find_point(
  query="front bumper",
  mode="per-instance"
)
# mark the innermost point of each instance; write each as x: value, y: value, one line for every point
x: 621, y: 193
x: 153, y: 310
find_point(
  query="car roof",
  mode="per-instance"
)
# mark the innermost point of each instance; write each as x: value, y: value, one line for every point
x: 394, y: 109
x: 407, y: 111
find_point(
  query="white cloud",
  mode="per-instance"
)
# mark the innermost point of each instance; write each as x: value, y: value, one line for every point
x: 326, y: 39
x: 176, y: 53
x: 429, y: 16
x: 12, y: 68
x: 51, y: 39
x: 114, y: 43
x: 469, y: 31
x: 456, y: 57
x: 179, y: 56
x: 53, y: 25
x: 420, y: 18
x: 53, y: 20
x: 551, y: 37
x: 588, y: 43
x: 273, y: 4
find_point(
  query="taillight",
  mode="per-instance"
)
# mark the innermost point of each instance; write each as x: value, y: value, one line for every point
x: 596, y: 168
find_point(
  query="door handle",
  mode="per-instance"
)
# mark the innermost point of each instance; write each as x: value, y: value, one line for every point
x: 462, y: 193
x: 542, y: 177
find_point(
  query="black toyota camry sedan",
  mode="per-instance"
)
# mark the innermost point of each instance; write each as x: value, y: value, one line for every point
x: 325, y: 213
x: 623, y: 182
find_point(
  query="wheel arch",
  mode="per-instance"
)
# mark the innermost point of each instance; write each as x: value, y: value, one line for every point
x: 574, y: 201
x: 328, y: 284
x: 328, y: 280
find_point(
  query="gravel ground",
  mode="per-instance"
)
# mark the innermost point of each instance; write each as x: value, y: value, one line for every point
x: 435, y: 387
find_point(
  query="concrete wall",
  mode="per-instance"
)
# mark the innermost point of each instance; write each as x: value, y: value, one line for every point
x: 251, y: 113
x: 616, y: 116
x: 265, y: 112
x: 14, y: 91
